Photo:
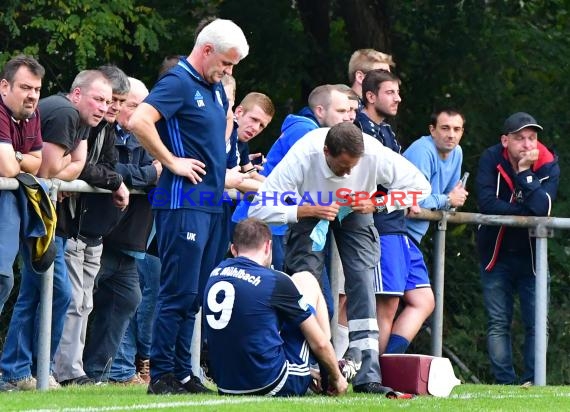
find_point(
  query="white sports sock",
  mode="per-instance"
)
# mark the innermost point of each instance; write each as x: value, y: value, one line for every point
x: 341, y: 345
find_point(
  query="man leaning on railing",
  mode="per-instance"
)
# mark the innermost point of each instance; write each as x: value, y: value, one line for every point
x: 518, y: 176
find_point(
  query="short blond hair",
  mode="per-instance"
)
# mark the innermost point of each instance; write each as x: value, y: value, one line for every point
x: 364, y: 60
x: 258, y: 99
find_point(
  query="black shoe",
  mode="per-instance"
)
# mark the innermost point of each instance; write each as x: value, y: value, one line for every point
x: 195, y: 385
x: 372, y: 387
x: 81, y: 380
x: 166, y: 385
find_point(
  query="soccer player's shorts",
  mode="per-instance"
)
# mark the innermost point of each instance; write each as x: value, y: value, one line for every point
x: 401, y: 266
x: 297, y: 353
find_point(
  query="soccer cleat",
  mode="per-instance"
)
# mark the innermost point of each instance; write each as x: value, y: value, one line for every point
x: 399, y: 395
x: 348, y: 368
x: 166, y: 385
x: 195, y: 385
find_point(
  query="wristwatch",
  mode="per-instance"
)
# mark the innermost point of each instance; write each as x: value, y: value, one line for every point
x: 380, y: 209
x: 19, y: 157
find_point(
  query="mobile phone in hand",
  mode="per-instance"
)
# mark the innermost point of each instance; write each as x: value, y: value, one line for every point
x: 257, y: 160
x: 464, y: 179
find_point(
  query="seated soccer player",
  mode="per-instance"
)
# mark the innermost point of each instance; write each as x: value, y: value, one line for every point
x: 263, y: 327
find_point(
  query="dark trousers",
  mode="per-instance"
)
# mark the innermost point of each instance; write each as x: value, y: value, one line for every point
x: 357, y: 242
x: 116, y: 297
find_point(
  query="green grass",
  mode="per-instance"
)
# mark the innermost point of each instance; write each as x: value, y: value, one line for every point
x: 463, y: 398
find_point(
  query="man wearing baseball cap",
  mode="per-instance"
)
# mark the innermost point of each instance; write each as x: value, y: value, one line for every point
x: 518, y: 176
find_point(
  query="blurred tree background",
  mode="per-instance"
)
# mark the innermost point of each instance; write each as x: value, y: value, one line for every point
x: 490, y: 58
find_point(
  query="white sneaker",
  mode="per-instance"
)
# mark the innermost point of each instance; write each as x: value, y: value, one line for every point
x: 52, y: 383
x: 26, y: 384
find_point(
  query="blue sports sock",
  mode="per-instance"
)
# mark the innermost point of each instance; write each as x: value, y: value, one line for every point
x: 397, y: 344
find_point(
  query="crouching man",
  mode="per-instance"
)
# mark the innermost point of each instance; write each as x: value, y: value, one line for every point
x: 262, y: 326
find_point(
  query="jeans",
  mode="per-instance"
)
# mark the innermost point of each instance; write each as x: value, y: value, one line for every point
x: 137, y: 338
x: 115, y: 299
x: 9, y: 237
x: 20, y: 347
x: 511, y: 275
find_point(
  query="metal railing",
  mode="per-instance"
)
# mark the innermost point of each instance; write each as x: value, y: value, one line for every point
x: 46, y: 291
x: 541, y: 228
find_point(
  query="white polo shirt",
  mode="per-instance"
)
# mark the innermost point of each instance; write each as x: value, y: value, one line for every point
x: 304, y: 178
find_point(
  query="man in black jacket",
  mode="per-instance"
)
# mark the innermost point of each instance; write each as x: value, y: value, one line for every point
x: 518, y: 176
x: 117, y: 289
x: 84, y: 248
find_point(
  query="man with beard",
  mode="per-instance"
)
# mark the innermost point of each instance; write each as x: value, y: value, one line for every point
x: 401, y: 272
x: 20, y: 151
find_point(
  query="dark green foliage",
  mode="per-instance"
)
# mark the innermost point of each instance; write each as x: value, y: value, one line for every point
x: 490, y: 59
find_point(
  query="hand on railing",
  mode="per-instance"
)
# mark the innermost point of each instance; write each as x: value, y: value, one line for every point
x: 121, y: 197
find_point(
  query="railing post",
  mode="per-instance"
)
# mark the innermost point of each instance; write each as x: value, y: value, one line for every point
x: 541, y: 304
x: 44, y: 332
x: 196, y: 345
x: 438, y: 285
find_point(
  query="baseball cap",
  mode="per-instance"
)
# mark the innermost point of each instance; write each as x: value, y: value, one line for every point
x: 518, y: 121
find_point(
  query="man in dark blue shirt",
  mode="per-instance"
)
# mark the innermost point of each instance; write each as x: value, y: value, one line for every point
x: 271, y: 319
x: 401, y: 272
x: 189, y: 106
